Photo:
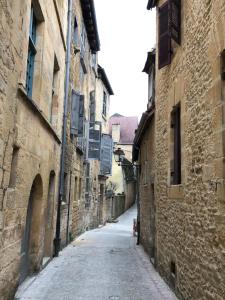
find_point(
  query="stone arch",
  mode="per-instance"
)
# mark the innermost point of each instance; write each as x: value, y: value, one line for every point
x: 30, y: 247
x: 49, y: 213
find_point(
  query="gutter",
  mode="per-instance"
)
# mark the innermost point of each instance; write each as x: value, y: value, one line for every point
x: 57, y: 240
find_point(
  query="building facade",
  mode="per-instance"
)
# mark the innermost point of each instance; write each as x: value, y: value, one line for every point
x: 189, y: 147
x: 84, y: 179
x: 55, y: 147
x: 144, y: 157
x: 32, y: 61
x: 123, y: 178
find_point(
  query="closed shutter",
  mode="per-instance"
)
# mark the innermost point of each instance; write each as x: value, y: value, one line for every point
x: 106, y: 154
x: 74, y: 113
x: 94, y: 141
x: 175, y: 15
x: 81, y: 116
x: 92, y: 106
x: 164, y: 54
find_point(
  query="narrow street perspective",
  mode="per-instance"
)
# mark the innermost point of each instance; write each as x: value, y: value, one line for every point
x: 112, y: 149
x: 101, y: 264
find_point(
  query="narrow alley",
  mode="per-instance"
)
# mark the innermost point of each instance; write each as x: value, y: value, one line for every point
x: 101, y: 264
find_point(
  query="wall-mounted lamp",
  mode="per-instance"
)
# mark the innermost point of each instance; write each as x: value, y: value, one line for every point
x: 119, y: 155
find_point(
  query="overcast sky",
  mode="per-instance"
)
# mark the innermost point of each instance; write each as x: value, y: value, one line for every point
x: 127, y: 33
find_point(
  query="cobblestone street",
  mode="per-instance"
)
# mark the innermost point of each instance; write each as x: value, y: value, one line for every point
x: 101, y: 264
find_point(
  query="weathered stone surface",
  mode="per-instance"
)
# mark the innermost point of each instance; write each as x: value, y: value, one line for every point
x: 189, y: 228
x: 24, y: 124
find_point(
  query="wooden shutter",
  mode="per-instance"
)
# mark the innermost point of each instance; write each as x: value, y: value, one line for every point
x: 81, y: 116
x: 175, y: 17
x: 106, y: 154
x: 92, y: 106
x: 164, y: 42
x: 75, y: 101
x: 94, y: 141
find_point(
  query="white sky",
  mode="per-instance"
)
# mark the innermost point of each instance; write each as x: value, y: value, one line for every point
x: 127, y: 32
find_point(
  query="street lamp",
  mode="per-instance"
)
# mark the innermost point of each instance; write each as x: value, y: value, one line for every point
x: 119, y: 155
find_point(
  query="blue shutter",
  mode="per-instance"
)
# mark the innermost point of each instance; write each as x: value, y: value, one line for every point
x: 106, y: 154
x: 94, y: 142
x: 74, y: 113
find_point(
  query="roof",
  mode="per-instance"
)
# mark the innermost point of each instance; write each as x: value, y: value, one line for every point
x: 128, y: 125
x: 102, y: 75
x: 142, y: 127
x: 149, y: 62
x: 151, y: 4
x: 89, y: 15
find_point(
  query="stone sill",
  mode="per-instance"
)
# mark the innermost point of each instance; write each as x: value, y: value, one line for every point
x: 175, y: 192
x: 31, y: 103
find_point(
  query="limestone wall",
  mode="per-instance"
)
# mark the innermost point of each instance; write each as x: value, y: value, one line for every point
x: 190, y: 216
x: 29, y: 142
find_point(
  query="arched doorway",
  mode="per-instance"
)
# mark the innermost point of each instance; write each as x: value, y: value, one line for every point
x: 48, y: 241
x: 30, y: 247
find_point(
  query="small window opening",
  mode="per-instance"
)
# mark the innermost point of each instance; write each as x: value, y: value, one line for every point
x: 104, y: 109
x: 75, y: 33
x: 173, y: 268
x: 13, y: 171
x: 54, y: 102
x: 175, y: 146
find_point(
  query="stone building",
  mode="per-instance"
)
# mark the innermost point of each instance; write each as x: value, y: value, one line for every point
x: 189, y: 147
x: 123, y: 131
x: 32, y: 65
x: 144, y: 156
x: 87, y: 127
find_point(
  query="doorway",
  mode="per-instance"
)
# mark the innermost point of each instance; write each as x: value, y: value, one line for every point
x: 30, y: 254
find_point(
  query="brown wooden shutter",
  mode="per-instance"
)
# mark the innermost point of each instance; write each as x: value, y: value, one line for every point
x: 175, y: 16
x: 164, y: 42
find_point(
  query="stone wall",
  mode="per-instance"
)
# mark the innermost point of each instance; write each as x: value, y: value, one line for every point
x: 29, y: 142
x: 190, y: 216
x: 146, y: 189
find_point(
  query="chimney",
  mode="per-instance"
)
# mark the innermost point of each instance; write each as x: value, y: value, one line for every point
x: 116, y: 133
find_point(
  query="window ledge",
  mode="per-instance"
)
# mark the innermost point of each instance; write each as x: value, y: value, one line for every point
x: 175, y: 192
x: 34, y: 107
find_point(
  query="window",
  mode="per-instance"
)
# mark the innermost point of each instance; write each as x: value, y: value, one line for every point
x: 94, y: 61
x: 12, y: 180
x: 169, y: 28
x: 80, y: 188
x: 223, y: 74
x: 83, y: 41
x: 104, y: 109
x: 75, y: 33
x: 31, y: 53
x: 176, y: 146
x: 87, y: 185
x: 92, y: 106
x: 54, y: 85
x: 74, y: 113
x: 151, y: 86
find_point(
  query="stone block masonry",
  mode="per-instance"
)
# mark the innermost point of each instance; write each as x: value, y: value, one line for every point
x: 190, y: 217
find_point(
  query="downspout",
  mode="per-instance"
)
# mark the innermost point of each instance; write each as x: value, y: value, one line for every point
x: 57, y: 240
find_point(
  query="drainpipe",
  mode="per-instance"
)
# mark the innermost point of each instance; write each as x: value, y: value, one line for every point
x: 57, y: 240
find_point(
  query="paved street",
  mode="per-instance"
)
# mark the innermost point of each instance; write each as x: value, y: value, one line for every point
x: 102, y: 264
